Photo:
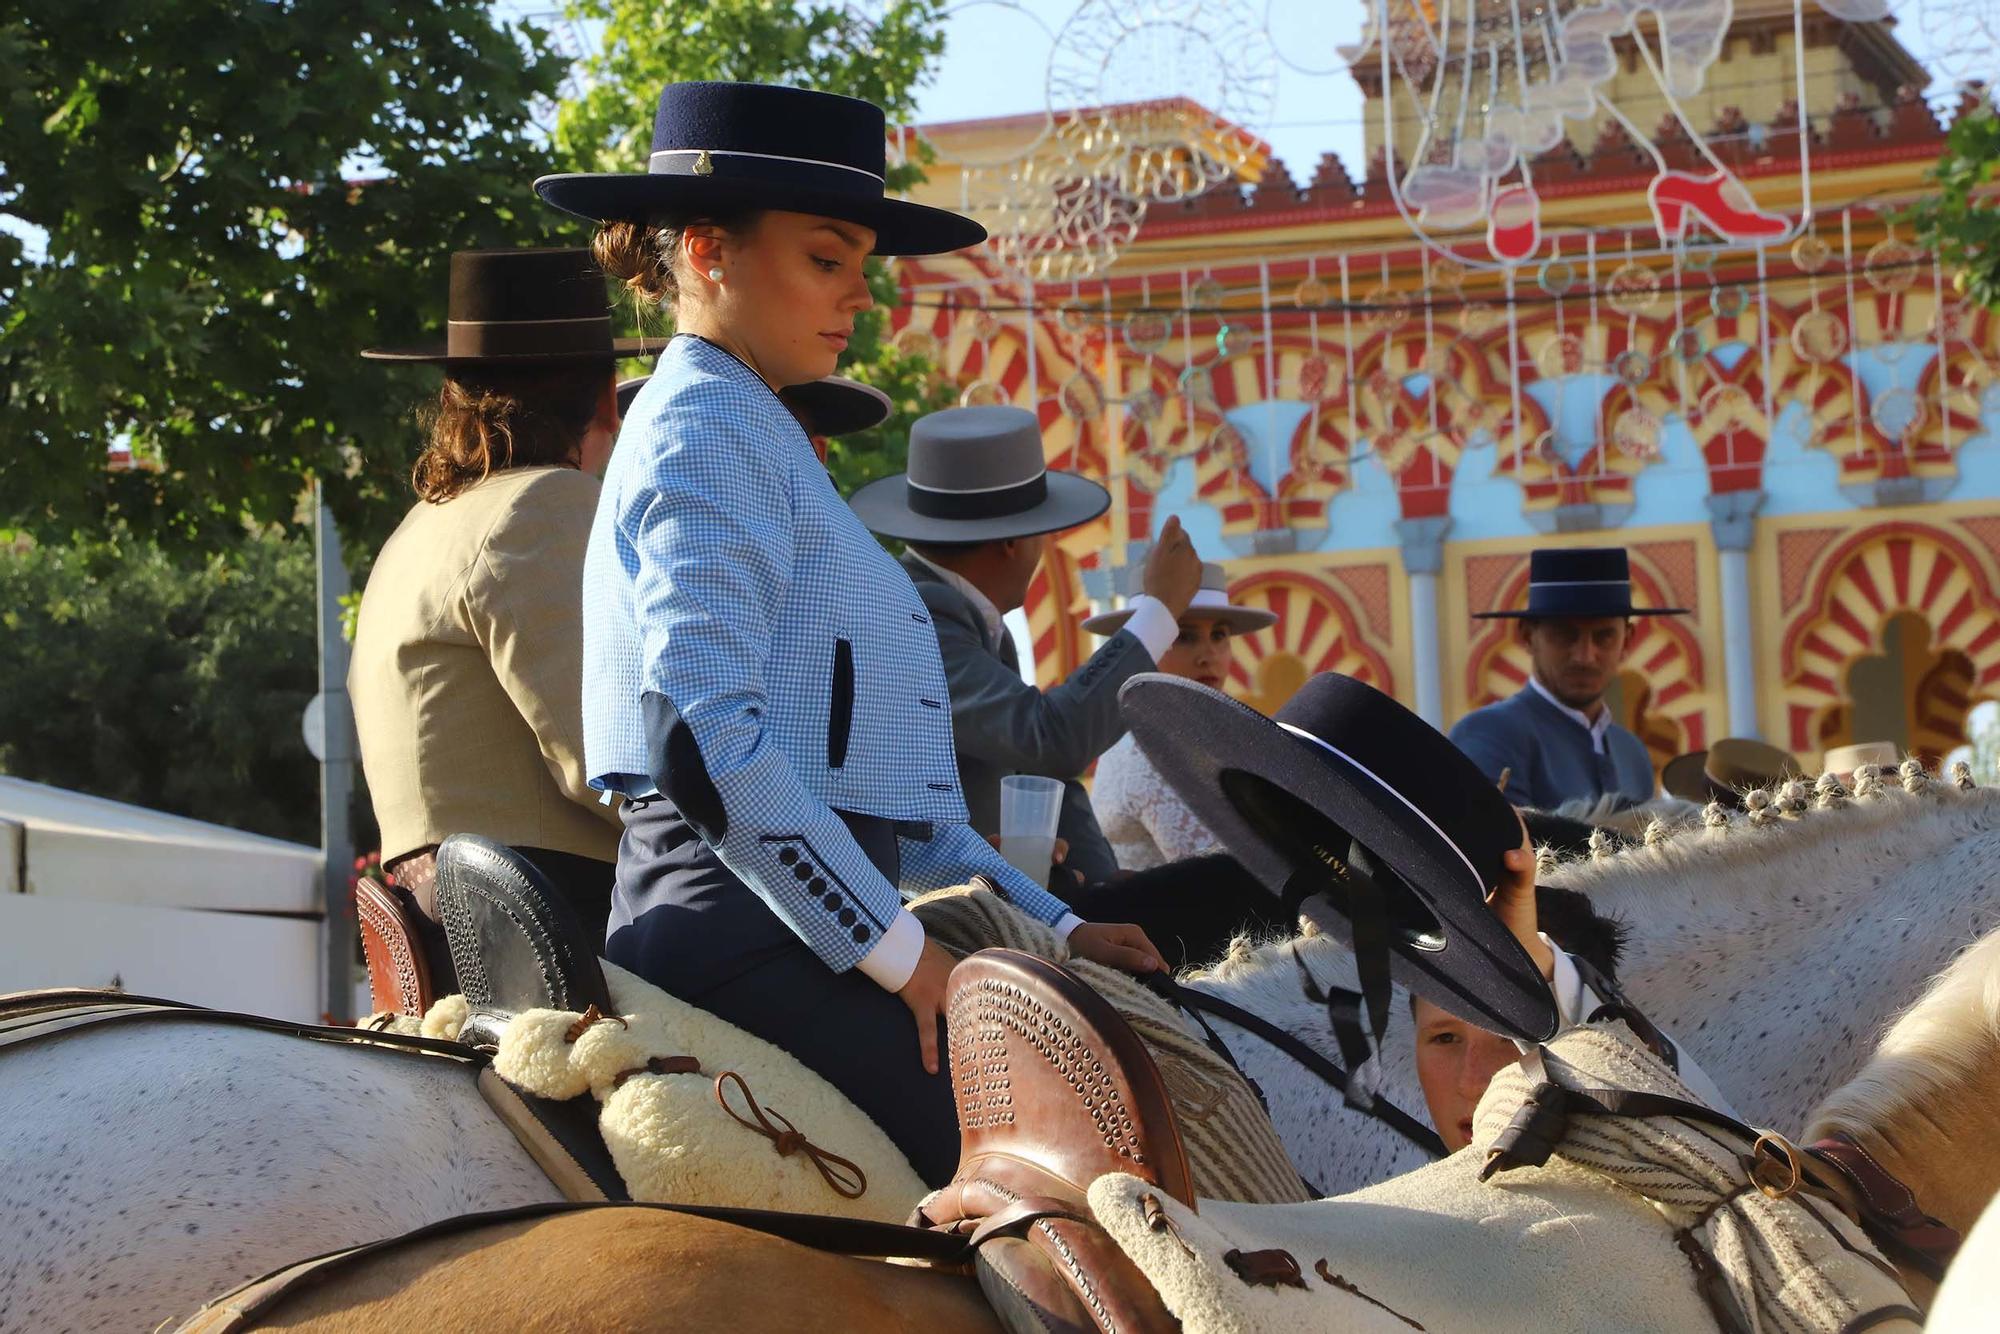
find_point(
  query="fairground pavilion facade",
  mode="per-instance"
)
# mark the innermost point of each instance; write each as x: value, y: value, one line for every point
x: 1800, y: 443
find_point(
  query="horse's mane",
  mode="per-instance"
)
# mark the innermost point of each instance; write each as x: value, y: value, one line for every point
x: 1770, y: 848
x: 1712, y: 865
x: 1944, y: 1039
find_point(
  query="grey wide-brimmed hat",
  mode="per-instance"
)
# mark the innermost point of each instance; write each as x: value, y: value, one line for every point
x: 977, y: 475
x: 1210, y: 600
x: 833, y: 405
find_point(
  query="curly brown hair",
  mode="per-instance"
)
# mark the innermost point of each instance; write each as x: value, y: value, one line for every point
x: 640, y: 255
x: 488, y: 419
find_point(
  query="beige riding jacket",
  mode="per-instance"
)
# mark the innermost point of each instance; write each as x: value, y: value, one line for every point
x: 467, y: 672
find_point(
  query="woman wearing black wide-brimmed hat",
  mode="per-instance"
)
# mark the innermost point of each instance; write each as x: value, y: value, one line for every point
x: 468, y: 649
x: 761, y: 679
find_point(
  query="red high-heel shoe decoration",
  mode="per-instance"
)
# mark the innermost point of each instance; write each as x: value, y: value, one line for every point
x: 1514, y: 227
x: 1718, y: 199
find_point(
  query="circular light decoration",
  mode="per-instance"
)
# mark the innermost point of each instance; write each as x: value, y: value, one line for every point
x: 1632, y: 367
x: 1145, y: 406
x: 1477, y: 318
x: 1205, y: 295
x: 1147, y: 331
x: 1632, y: 290
x: 1074, y: 316
x: 1234, y: 339
x: 1473, y: 415
x: 1686, y: 346
x: 1197, y: 385
x: 1310, y: 293
x: 1387, y: 309
x: 1556, y: 277
x: 982, y: 394
x: 1127, y: 79
x: 1447, y: 275
x: 912, y: 341
x: 1811, y: 254
x: 1636, y: 434
x: 1897, y: 413
x: 1892, y: 266
x: 1819, y: 337
x: 1561, y: 355
x: 1080, y: 397
x: 985, y: 325
x: 1728, y: 301
x: 1697, y: 259
x: 1951, y: 322
x: 1315, y: 378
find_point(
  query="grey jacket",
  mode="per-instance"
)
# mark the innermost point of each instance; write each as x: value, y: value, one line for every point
x: 1002, y: 725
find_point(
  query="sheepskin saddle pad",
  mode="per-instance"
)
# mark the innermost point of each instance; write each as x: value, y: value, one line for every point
x: 696, y: 1111
x: 1631, y: 1224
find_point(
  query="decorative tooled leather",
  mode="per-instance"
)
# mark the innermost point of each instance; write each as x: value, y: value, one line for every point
x: 398, y: 982
x: 995, y: 1009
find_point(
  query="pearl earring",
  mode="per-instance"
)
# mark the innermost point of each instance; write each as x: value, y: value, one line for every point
x: 715, y: 275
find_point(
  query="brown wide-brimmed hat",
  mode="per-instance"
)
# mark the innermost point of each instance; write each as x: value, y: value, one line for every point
x: 524, y: 307
x: 1210, y: 600
x: 1726, y: 770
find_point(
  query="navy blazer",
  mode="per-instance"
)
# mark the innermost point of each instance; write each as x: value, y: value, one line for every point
x: 1547, y: 755
x: 751, y: 651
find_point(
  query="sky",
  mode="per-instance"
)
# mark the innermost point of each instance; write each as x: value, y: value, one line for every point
x: 998, y: 60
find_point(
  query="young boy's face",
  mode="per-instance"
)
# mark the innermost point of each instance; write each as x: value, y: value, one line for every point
x: 1455, y: 1062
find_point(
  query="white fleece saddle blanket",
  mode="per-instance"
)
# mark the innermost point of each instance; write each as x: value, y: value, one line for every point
x: 697, y: 1111
x: 1587, y: 1242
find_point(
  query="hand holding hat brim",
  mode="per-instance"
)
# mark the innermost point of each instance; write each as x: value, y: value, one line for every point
x: 1288, y: 803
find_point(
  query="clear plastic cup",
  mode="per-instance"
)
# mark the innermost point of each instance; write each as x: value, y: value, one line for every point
x: 1030, y: 806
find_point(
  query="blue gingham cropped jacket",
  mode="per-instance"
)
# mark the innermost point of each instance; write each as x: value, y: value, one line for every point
x: 752, y: 652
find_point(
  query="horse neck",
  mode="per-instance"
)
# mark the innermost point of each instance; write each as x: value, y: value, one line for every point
x: 1940, y: 1145
x: 1923, y: 1105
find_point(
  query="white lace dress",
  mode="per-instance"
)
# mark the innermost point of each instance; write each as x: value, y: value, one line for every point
x: 1144, y: 821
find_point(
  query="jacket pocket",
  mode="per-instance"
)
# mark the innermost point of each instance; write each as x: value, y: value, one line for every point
x: 840, y: 707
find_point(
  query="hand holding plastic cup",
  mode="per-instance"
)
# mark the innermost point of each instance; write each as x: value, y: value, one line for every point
x: 1030, y: 806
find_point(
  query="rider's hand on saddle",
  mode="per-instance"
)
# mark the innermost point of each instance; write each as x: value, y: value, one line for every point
x: 1119, y: 945
x: 1513, y: 902
x: 924, y: 994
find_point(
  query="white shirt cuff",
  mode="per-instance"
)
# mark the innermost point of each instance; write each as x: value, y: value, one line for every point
x: 1574, y: 1000
x: 1067, y: 923
x: 895, y: 955
x: 1154, y: 625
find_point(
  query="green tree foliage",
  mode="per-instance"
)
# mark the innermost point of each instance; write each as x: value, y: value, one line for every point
x: 210, y: 206
x: 1962, y: 220
x: 157, y: 676
x: 832, y: 47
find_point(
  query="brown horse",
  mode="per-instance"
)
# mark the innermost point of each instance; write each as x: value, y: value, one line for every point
x: 623, y: 1269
